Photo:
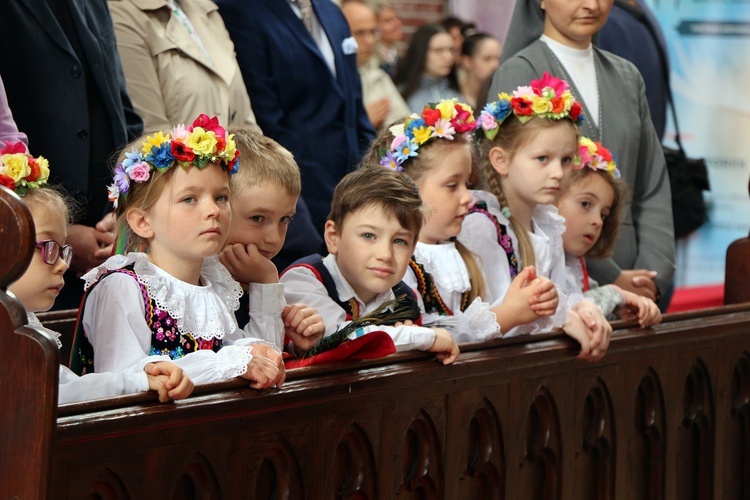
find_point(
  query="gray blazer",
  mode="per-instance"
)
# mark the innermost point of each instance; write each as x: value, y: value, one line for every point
x: 646, y: 238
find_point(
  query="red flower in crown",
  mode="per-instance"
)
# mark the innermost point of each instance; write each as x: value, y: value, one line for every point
x: 461, y: 122
x: 575, y: 111
x: 522, y: 106
x: 430, y: 116
x: 558, y: 105
x: 221, y: 143
x: 211, y: 124
x: 7, y: 182
x: 181, y: 152
x: 13, y: 148
x: 547, y: 80
x: 603, y: 152
x: 35, y: 170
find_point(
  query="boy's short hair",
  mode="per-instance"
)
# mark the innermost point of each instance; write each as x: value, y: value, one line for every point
x: 264, y: 160
x: 392, y: 191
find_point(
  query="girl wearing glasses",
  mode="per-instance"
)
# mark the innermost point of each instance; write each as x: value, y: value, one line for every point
x: 38, y: 288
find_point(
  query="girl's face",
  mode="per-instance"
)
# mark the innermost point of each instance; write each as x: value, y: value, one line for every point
x: 574, y: 22
x: 441, y: 54
x: 445, y: 195
x: 585, y: 205
x: 533, y: 174
x: 485, y: 60
x: 190, y: 219
x: 38, y: 288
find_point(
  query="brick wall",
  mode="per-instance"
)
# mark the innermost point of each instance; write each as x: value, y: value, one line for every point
x: 414, y: 13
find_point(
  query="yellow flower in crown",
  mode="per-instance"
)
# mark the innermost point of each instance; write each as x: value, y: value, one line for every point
x: 201, y: 141
x: 230, y: 148
x: 19, y: 171
x: 154, y: 141
x: 595, y: 156
x: 541, y: 105
x: 447, y: 109
x: 16, y: 166
x: 422, y: 134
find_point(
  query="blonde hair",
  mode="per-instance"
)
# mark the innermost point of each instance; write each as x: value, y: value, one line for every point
x: 513, y: 135
x: 416, y: 168
x: 53, y: 200
x: 264, y: 160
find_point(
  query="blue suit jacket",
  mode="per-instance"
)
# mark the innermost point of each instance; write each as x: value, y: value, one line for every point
x: 297, y: 100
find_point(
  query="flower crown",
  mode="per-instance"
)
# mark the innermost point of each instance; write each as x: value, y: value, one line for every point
x: 438, y: 121
x: 596, y: 157
x: 547, y: 97
x: 19, y: 171
x: 204, y: 142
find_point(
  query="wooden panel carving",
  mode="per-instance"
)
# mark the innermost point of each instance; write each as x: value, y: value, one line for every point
x: 595, y: 463
x: 647, y: 450
x: 541, y: 473
x: 355, y: 476
x: 484, y: 476
x: 279, y: 474
x: 197, y: 481
x: 107, y: 487
x: 737, y: 433
x: 421, y: 462
x: 695, y: 436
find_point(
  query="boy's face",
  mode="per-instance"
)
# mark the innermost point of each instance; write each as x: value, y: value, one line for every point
x: 372, y: 250
x: 261, y: 215
x: 39, y: 286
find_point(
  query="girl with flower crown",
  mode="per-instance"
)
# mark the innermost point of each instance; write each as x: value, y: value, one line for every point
x: 165, y: 292
x: 42, y: 281
x: 591, y: 205
x: 529, y: 143
x: 434, y: 149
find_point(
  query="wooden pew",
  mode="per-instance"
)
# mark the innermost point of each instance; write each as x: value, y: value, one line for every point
x: 666, y: 414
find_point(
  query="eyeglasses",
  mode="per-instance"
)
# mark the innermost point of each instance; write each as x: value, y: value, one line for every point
x: 51, y: 251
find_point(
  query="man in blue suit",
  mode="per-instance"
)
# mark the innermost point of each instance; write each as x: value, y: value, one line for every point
x: 306, y: 94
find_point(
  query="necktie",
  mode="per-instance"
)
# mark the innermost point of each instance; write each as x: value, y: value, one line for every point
x: 306, y: 10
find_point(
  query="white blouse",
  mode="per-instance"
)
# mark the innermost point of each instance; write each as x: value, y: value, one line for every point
x: 448, y: 270
x: 301, y: 285
x: 479, y: 235
x: 96, y: 385
x: 607, y: 298
x: 115, y: 324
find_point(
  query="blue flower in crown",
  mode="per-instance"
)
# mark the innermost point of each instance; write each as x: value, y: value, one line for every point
x: 407, y: 149
x: 160, y: 156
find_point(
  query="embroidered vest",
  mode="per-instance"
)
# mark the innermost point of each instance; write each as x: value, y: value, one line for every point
x: 166, y: 339
x: 503, y: 238
x: 433, y: 302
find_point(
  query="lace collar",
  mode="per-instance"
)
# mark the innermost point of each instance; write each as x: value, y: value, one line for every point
x: 32, y: 320
x: 445, y: 265
x: 205, y: 312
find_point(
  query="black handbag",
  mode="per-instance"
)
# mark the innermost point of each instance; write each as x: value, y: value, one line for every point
x: 688, y: 177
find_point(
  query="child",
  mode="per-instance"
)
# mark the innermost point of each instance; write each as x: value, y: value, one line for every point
x: 172, y: 198
x: 530, y: 140
x: 443, y: 271
x: 39, y: 286
x: 264, y: 199
x: 375, y: 218
x: 591, y: 206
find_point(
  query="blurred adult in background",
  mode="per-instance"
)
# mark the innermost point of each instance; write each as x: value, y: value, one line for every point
x: 632, y: 32
x: 427, y: 72
x: 66, y: 88
x: 299, y: 63
x: 388, y: 47
x: 480, y: 57
x: 182, y: 48
x: 456, y: 28
x: 382, y: 100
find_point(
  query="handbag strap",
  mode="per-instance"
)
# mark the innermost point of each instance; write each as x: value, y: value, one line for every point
x: 635, y: 9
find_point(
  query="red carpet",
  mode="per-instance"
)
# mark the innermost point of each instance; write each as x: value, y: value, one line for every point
x: 699, y: 297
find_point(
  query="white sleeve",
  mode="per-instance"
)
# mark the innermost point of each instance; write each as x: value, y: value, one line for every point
x: 98, y: 385
x: 479, y: 235
x: 475, y: 324
x: 302, y: 286
x: 266, y: 306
